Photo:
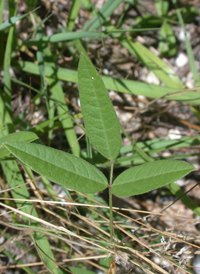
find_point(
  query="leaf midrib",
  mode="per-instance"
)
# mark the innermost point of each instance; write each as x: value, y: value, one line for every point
x: 51, y: 164
x: 148, y: 178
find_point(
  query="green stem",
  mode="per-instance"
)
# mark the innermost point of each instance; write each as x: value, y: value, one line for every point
x: 110, y: 201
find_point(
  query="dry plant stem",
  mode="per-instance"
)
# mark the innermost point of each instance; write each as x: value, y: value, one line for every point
x: 110, y: 201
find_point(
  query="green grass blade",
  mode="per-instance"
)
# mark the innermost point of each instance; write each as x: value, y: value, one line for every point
x: 63, y: 37
x: 100, y: 119
x: 179, y: 193
x: 116, y: 84
x: 192, y: 63
x: 101, y: 15
x: 51, y: 113
x: 40, y: 60
x: 31, y: 4
x: 73, y: 13
x: 7, y: 81
x: 12, y: 20
x: 12, y: 8
x: 2, y: 4
x: 5, y: 125
x: 158, y: 145
x: 56, y: 93
x: 152, y: 62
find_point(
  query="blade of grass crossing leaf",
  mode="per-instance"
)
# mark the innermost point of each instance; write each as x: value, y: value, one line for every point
x: 190, y: 54
x: 74, y: 9
x: 7, y: 81
x: 51, y: 124
x: 12, y: 20
x: 73, y: 13
x: 100, y: 119
x: 78, y: 45
x: 137, y: 148
x: 56, y: 93
x: 7, y: 61
x: 116, y: 84
x: 5, y: 125
x: 66, y: 36
x: 101, y: 15
x: 2, y: 4
x: 164, y: 73
x: 40, y: 60
x: 158, y: 145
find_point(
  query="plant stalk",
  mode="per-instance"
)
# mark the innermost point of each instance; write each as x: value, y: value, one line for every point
x: 110, y: 201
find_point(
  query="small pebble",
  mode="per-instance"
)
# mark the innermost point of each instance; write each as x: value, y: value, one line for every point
x: 181, y: 60
x: 174, y: 134
x: 152, y: 79
x: 181, y: 36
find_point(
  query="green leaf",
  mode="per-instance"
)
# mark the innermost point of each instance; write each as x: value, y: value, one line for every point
x: 101, y: 122
x: 116, y: 84
x: 167, y: 44
x: 64, y: 36
x: 149, y: 20
x: 17, y: 136
x: 12, y: 20
x: 162, y: 7
x: 60, y: 167
x: 73, y: 13
x: 144, y: 178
